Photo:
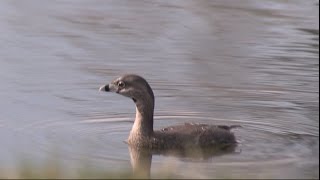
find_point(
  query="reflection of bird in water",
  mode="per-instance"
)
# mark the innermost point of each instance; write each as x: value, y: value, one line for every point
x: 141, y: 158
x: 173, y: 137
x: 188, y: 140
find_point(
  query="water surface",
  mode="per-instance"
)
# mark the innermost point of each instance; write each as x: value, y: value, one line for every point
x: 253, y: 63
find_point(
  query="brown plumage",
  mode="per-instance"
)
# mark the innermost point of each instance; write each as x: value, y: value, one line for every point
x: 173, y: 137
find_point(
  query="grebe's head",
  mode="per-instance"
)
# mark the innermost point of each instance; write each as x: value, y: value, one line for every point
x: 130, y: 85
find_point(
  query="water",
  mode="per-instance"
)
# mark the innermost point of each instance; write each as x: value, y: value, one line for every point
x: 252, y: 63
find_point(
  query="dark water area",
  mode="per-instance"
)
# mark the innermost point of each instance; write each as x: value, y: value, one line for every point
x: 252, y: 63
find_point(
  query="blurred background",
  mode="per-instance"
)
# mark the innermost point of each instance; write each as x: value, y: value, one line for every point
x: 250, y: 62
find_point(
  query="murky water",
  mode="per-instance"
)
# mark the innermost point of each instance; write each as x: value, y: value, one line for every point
x: 253, y: 63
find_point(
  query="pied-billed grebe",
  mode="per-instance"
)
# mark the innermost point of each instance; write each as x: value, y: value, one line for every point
x: 173, y: 137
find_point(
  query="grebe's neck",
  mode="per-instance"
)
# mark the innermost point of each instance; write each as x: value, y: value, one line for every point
x: 143, y: 124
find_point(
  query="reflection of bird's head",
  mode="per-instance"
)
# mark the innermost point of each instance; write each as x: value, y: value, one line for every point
x: 130, y: 85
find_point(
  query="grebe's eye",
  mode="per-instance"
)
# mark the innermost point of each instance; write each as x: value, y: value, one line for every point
x: 121, y: 84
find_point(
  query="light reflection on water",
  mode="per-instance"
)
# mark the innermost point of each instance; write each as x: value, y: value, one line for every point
x: 252, y: 63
